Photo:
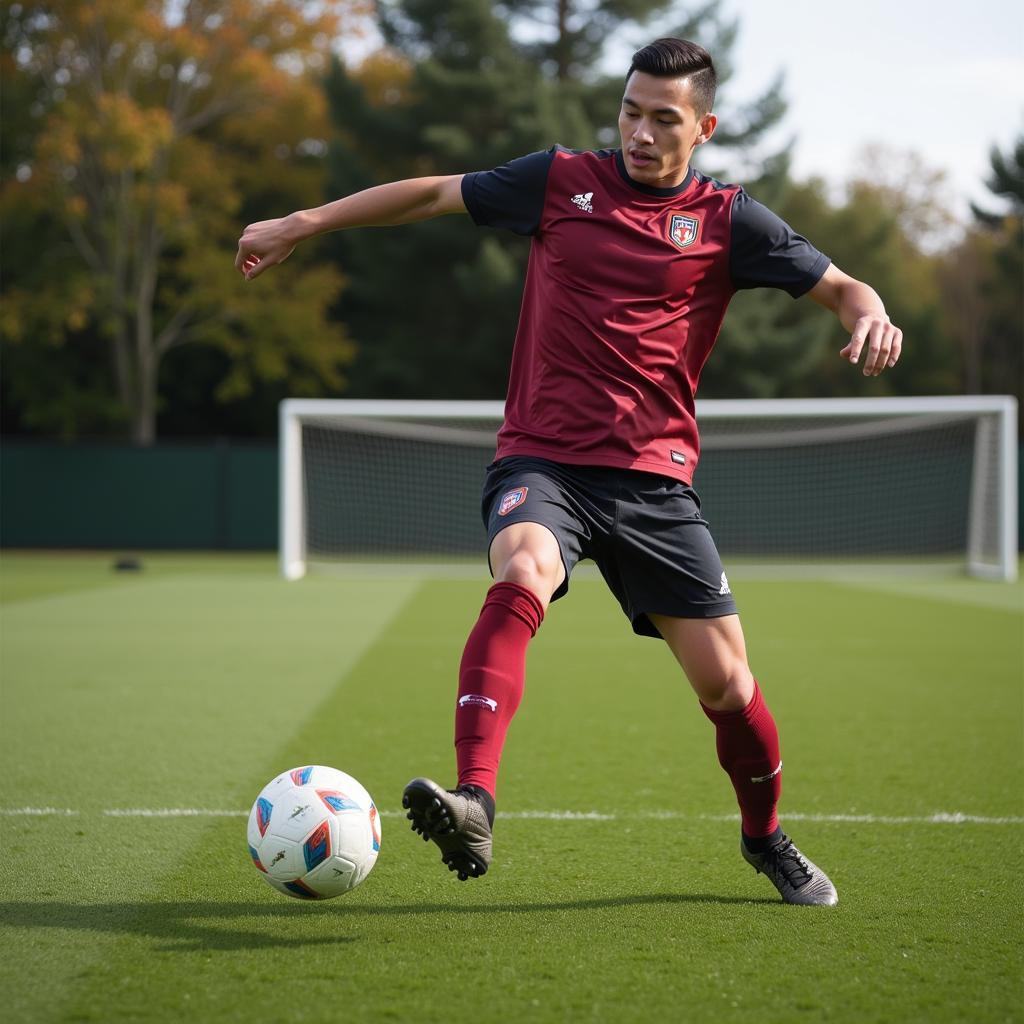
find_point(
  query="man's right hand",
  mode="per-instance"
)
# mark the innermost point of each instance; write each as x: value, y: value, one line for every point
x: 267, y: 243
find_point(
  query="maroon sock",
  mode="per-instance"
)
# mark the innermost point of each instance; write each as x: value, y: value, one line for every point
x: 748, y: 749
x: 491, y: 680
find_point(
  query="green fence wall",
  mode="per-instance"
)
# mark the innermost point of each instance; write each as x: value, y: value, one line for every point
x: 212, y: 494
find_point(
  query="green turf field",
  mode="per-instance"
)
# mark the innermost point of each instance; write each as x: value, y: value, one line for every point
x: 617, y: 893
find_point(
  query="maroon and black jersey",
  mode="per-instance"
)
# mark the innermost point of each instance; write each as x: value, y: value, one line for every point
x: 625, y: 293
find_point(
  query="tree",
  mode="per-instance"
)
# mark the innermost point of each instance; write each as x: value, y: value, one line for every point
x: 153, y: 130
x: 1006, y: 182
x: 880, y: 231
x: 866, y: 234
x: 573, y: 34
x: 984, y: 283
x: 433, y: 307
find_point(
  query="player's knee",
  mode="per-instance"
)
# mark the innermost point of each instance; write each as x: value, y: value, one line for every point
x: 726, y: 687
x: 537, y: 572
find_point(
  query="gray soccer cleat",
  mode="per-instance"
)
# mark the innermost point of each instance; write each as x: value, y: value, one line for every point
x: 455, y: 820
x: 797, y: 879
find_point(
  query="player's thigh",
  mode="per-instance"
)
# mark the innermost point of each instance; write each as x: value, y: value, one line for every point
x: 713, y: 654
x: 528, y: 554
x: 662, y: 558
x: 536, y: 527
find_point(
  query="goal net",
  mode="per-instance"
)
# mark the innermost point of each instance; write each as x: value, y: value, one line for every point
x: 908, y: 479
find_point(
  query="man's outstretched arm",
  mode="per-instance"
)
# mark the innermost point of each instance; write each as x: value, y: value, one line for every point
x: 270, y: 242
x: 862, y: 313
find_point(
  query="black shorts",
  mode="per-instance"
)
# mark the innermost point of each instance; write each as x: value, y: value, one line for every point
x: 644, y: 531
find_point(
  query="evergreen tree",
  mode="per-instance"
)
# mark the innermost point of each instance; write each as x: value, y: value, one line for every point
x: 984, y: 284
x: 569, y: 38
x: 1006, y: 182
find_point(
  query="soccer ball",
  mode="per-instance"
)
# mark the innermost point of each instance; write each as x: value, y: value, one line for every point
x: 314, y: 833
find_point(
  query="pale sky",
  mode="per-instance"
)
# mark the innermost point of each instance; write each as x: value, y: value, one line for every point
x: 945, y: 79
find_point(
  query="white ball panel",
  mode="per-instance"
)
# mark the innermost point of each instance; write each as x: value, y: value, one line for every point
x: 335, y: 876
x: 282, y: 858
x: 352, y: 837
x: 297, y: 812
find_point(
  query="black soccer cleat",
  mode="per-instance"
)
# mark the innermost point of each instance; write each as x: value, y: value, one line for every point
x: 456, y: 820
x: 797, y: 879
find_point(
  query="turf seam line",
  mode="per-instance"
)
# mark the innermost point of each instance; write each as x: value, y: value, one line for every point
x: 937, y: 818
x: 171, y: 812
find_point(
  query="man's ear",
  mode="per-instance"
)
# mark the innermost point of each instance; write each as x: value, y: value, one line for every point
x: 706, y: 128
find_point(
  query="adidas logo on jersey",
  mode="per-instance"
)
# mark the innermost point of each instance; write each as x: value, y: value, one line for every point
x: 583, y: 201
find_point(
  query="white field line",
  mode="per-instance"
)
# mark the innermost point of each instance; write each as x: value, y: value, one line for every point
x: 38, y: 812
x: 938, y: 818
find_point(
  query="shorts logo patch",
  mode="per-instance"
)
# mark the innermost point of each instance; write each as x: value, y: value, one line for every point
x: 724, y: 588
x: 511, y: 500
x: 683, y: 229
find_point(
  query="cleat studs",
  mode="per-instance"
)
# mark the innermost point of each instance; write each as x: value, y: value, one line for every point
x: 452, y: 823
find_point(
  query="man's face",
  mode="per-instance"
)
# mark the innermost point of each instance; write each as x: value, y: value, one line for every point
x: 660, y: 129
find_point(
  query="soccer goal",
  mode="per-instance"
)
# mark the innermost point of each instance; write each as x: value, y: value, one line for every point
x: 897, y: 480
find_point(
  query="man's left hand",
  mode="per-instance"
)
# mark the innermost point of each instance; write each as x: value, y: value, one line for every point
x: 879, y: 340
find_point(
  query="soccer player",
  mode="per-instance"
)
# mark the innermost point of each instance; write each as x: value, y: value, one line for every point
x: 634, y: 259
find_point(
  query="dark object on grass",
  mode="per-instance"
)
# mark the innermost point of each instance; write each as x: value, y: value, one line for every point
x: 128, y: 564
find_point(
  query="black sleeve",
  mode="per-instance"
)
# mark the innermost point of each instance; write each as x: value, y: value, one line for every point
x: 767, y: 253
x: 510, y: 196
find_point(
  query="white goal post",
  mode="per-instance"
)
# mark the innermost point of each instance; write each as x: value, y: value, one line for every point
x: 844, y: 479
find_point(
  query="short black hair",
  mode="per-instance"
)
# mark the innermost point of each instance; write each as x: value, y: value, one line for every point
x: 679, y: 58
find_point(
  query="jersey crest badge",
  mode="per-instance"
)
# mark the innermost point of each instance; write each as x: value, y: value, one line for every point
x: 512, y: 500
x: 683, y: 229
